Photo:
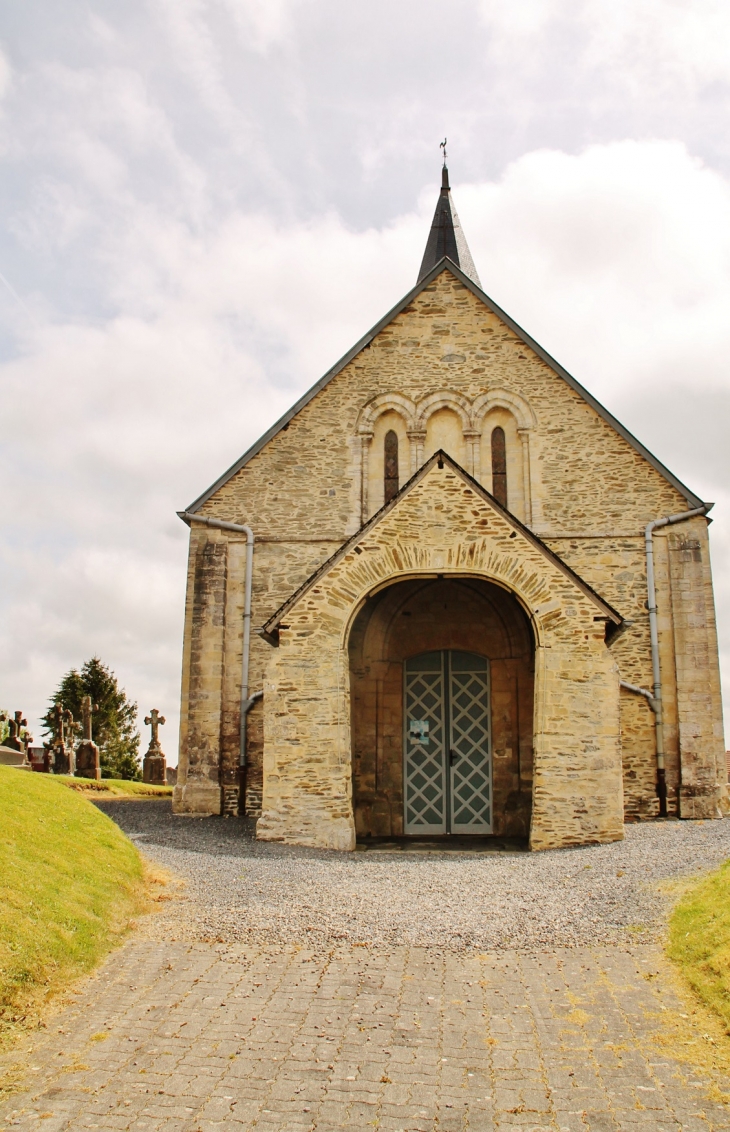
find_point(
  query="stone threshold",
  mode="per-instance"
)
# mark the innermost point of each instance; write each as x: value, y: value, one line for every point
x: 448, y: 843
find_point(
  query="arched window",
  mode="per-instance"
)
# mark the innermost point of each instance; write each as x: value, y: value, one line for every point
x: 390, y: 466
x: 499, y: 466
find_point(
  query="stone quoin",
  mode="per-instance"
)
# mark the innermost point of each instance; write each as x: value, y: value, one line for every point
x: 419, y: 604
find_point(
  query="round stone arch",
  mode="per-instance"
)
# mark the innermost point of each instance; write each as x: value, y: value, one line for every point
x: 385, y: 403
x: 367, y: 428
x: 502, y: 399
x: 495, y: 579
x: 428, y: 408
x: 443, y: 399
x: 525, y: 421
x: 441, y: 617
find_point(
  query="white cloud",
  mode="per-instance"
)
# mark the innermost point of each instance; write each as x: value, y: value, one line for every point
x: 623, y: 251
x: 263, y: 23
x: 655, y: 41
x: 6, y: 74
x: 199, y: 54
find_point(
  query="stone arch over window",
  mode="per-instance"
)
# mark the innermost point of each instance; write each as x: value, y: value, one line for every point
x: 505, y: 410
x: 503, y: 399
x: 385, y: 403
x: 389, y: 412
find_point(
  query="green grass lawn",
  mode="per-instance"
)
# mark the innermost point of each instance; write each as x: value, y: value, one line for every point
x: 70, y: 882
x: 115, y: 788
x: 699, y: 940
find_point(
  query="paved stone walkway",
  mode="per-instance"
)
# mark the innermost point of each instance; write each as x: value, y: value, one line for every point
x: 181, y: 1037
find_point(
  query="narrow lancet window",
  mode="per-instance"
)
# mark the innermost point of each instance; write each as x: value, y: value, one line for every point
x: 499, y: 466
x: 390, y: 466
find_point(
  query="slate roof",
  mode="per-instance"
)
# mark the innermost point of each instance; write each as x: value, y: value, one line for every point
x: 269, y: 631
x: 446, y: 237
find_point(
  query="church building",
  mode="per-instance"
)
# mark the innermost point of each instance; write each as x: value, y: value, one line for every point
x: 448, y: 593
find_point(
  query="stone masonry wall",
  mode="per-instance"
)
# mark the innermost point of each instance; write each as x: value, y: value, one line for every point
x: 442, y: 524
x: 697, y: 678
x: 198, y: 789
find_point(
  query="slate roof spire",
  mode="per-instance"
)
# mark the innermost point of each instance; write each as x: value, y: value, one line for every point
x: 446, y: 237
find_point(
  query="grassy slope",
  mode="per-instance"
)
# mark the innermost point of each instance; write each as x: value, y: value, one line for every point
x: 699, y: 940
x: 69, y: 883
x: 116, y: 788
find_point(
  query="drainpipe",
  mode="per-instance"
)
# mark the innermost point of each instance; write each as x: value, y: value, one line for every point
x: 654, y: 634
x: 648, y: 696
x: 246, y: 701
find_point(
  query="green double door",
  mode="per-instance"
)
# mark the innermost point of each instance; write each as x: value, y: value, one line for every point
x: 447, y: 772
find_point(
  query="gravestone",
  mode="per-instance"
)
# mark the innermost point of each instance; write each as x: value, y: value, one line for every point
x: 154, y: 765
x: 60, y: 746
x: 14, y: 751
x: 40, y: 759
x: 10, y: 757
x: 87, y: 753
x: 16, y: 740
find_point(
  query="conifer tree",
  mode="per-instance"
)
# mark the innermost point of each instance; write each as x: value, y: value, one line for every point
x: 113, y: 721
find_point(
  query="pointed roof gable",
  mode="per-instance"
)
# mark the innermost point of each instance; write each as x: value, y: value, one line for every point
x: 447, y: 265
x: 270, y: 629
x: 446, y: 238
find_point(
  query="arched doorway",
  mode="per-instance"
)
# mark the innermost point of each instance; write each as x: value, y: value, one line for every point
x: 441, y: 688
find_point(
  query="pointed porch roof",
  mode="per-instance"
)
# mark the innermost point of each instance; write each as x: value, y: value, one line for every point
x: 614, y: 620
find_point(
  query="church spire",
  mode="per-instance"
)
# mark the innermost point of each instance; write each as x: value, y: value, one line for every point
x: 446, y: 237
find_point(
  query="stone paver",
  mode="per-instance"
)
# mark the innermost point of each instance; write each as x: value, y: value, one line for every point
x: 180, y: 1037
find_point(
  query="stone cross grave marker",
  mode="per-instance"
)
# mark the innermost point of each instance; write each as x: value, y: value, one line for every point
x: 15, y: 740
x: 61, y: 742
x: 154, y: 721
x: 88, y: 756
x: 70, y: 727
x: 154, y: 766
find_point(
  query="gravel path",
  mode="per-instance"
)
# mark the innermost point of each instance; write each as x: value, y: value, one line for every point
x: 249, y: 1005
x: 241, y: 890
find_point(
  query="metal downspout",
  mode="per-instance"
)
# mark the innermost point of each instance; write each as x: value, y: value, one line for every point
x: 640, y: 692
x: 247, y: 701
x: 657, y: 706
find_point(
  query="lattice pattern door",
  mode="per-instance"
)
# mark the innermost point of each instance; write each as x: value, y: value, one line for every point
x: 469, y: 744
x: 424, y: 772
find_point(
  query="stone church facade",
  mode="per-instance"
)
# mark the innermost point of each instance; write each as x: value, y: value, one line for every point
x: 421, y: 604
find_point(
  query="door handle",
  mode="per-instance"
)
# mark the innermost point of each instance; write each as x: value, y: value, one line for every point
x: 453, y: 756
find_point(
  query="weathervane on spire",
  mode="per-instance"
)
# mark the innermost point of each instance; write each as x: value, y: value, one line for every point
x: 442, y: 145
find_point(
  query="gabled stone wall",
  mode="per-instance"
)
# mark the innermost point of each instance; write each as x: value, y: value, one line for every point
x: 442, y: 525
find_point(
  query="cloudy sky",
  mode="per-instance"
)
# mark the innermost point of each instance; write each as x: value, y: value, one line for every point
x: 206, y: 202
